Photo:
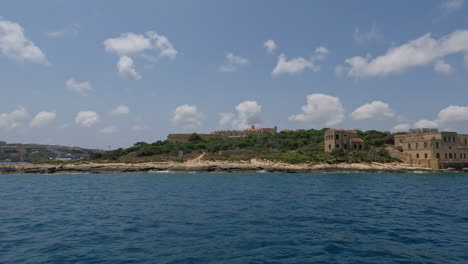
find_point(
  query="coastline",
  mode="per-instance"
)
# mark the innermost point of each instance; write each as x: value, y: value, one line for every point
x: 200, y: 166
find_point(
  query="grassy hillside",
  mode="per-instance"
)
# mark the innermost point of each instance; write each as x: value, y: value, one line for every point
x: 292, y: 147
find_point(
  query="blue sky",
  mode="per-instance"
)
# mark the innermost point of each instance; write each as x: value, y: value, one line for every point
x: 110, y: 73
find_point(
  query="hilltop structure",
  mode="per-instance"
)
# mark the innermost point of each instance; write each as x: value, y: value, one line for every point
x: 223, y: 134
x: 346, y: 140
x: 433, y: 149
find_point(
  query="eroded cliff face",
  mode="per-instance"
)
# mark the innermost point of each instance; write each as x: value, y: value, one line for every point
x: 203, y: 166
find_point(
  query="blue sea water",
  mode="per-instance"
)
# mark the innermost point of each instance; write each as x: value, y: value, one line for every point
x: 234, y: 218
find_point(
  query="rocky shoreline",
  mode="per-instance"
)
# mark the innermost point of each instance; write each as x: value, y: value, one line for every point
x: 209, y: 166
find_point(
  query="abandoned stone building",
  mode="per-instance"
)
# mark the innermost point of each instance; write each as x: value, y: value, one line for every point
x: 433, y: 149
x: 223, y: 134
x: 347, y: 140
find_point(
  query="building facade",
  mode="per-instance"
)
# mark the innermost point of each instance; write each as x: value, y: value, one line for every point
x: 433, y: 149
x: 346, y: 140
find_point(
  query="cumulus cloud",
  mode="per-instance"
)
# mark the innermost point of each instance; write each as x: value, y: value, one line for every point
x: 450, y: 6
x: 298, y: 65
x: 15, y: 45
x: 371, y: 35
x: 121, y: 110
x: 403, y: 127
x: 108, y: 129
x: 270, y: 45
x: 422, y: 51
x: 13, y: 119
x: 441, y: 67
x: 144, y: 45
x: 87, y: 118
x: 376, y: 110
x: 426, y: 124
x: 43, y: 119
x: 187, y: 116
x: 453, y: 116
x: 126, y: 68
x: 248, y: 114
x: 232, y: 63
x: 321, y: 109
x: 78, y: 87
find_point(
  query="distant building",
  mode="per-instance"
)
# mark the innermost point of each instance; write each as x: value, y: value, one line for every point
x: 433, y: 149
x: 223, y: 134
x: 347, y: 140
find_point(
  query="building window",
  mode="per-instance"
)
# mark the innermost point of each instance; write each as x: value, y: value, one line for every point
x: 409, y: 145
x: 454, y: 140
x: 360, y: 146
x: 425, y: 145
x: 445, y: 139
x: 450, y: 156
x: 464, y: 156
x: 417, y: 155
x: 355, y: 146
x: 437, y: 145
x: 337, y: 136
x: 345, y: 146
x: 338, y: 145
x: 329, y: 146
x: 425, y: 155
x: 445, y: 155
x: 466, y: 143
x: 438, y: 155
x: 417, y: 145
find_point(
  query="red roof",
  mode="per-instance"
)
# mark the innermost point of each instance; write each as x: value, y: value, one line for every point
x: 356, y: 140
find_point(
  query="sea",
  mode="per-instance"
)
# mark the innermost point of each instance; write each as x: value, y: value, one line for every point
x: 234, y: 218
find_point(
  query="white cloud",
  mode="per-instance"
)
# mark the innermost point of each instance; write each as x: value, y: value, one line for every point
x: 226, y: 119
x: 450, y: 6
x: 127, y: 44
x: 441, y: 67
x: 320, y: 53
x: 248, y: 114
x: 321, y: 109
x: 232, y: 63
x: 15, y: 45
x: 293, y: 66
x: 403, y: 127
x: 270, y: 45
x: 187, y: 116
x: 13, y: 119
x: 126, y: 68
x: 64, y: 126
x: 78, y: 87
x: 298, y: 65
x: 87, y: 118
x: 43, y: 119
x: 371, y: 35
x: 376, y: 110
x: 121, y: 110
x: 163, y: 44
x: 108, y: 129
x: 130, y: 44
x: 453, y: 116
x: 422, y: 51
x: 70, y: 31
x: 426, y: 124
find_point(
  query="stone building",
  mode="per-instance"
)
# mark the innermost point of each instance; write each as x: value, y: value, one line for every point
x: 433, y: 149
x: 347, y: 140
x: 223, y: 134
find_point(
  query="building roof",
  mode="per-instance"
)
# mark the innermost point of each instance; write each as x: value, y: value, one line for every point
x: 356, y: 140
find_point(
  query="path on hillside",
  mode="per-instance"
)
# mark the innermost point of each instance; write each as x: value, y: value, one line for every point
x: 197, y: 159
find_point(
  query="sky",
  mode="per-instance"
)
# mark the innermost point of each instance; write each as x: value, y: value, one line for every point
x: 103, y: 74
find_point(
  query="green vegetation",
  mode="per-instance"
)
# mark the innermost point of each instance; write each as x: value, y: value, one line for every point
x: 291, y: 147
